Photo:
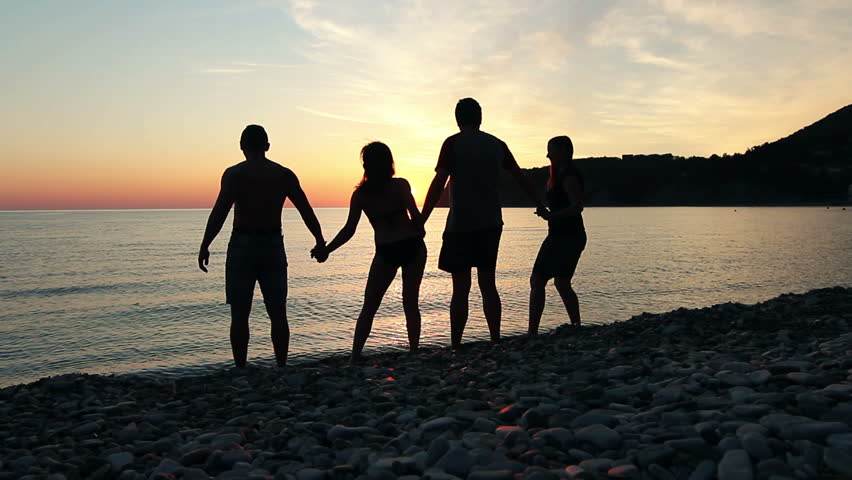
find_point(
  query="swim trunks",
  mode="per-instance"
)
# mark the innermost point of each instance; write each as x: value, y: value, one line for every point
x: 256, y: 256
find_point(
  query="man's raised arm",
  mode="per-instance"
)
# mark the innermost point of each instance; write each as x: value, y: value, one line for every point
x: 216, y: 220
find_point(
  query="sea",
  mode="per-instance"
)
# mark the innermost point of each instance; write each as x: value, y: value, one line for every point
x: 119, y: 291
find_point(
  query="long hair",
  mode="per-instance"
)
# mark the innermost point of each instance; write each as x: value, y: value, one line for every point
x: 377, y: 160
x: 564, y: 143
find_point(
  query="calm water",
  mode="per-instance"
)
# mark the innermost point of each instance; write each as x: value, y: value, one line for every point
x: 119, y: 291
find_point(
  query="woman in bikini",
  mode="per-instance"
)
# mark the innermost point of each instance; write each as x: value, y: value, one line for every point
x: 566, y: 234
x: 398, y: 229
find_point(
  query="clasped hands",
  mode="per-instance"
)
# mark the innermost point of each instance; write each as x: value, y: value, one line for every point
x: 320, y: 252
x: 543, y: 212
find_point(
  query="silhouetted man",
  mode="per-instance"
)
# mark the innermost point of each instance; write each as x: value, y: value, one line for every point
x: 257, y: 188
x: 472, y: 160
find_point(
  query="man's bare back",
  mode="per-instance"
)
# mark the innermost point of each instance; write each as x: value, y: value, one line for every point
x: 259, y: 189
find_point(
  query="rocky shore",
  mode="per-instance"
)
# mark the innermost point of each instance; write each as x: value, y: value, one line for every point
x: 730, y: 391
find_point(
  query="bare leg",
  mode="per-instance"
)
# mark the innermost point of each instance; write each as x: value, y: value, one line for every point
x: 240, y: 332
x: 280, y: 332
x: 491, y: 305
x: 459, y: 307
x: 569, y: 298
x: 412, y: 276
x: 537, y: 294
x: 380, y: 278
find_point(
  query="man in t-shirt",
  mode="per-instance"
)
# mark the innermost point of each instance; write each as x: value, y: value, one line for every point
x: 472, y: 160
x: 257, y: 189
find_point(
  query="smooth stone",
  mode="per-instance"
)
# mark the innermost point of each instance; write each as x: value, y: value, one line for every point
x: 455, y: 462
x: 491, y: 475
x: 706, y: 470
x: 756, y: 445
x: 623, y: 471
x: 660, y: 473
x: 533, y: 418
x: 838, y: 459
x: 437, y: 449
x: 754, y: 411
x: 760, y: 377
x: 398, y: 465
x: 562, y: 437
x: 588, y: 419
x: 773, y: 466
x: 193, y: 457
x: 310, y: 474
x: 438, y: 424
x: 619, y: 371
x: 438, y: 474
x: 735, y: 465
x: 733, y: 379
x: 599, y: 435
x: 839, y: 440
x: 86, y: 428
x: 167, y: 465
x: 223, y: 440
x: 692, y: 445
x: 194, y: 474
x: 738, y: 367
x: 575, y: 471
x: 654, y: 454
x: 344, y: 432
x: 812, y: 430
x: 596, y: 464
x: 119, y: 460
x: 485, y: 425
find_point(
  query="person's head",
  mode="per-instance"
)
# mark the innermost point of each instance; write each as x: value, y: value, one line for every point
x: 468, y: 113
x: 377, y: 160
x: 254, y: 140
x: 560, y: 151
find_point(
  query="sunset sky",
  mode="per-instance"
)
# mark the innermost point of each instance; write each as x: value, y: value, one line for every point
x: 139, y: 104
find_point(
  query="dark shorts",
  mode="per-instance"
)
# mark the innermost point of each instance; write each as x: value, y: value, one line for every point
x: 401, y: 252
x: 559, y: 254
x: 462, y: 251
x: 256, y: 257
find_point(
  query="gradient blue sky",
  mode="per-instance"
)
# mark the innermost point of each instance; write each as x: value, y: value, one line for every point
x: 140, y: 104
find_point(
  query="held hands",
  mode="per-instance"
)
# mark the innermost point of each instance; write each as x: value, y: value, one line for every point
x: 543, y: 212
x: 320, y: 252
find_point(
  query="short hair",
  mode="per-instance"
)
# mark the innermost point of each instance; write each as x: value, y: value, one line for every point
x: 254, y: 138
x: 468, y: 112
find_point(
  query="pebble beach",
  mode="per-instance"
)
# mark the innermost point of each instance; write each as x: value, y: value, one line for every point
x: 730, y: 391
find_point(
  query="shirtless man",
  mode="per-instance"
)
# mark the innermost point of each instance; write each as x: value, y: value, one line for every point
x: 257, y: 189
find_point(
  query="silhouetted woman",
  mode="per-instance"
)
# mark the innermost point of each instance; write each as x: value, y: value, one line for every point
x: 566, y: 235
x: 398, y: 229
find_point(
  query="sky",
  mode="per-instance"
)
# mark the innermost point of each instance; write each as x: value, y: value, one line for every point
x: 124, y: 104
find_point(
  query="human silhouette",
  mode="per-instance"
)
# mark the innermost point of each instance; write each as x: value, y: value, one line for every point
x: 398, y: 229
x: 472, y: 161
x: 566, y: 235
x: 257, y: 188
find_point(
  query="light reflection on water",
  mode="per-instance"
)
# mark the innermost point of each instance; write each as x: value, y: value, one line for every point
x: 118, y: 291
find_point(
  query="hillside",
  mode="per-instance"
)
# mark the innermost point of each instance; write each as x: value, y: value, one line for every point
x: 812, y: 165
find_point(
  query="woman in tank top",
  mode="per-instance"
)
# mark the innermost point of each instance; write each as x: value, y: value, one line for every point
x: 398, y: 229
x: 566, y: 234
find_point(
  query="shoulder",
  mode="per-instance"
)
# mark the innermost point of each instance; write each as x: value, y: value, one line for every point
x: 400, y: 183
x: 283, y: 172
